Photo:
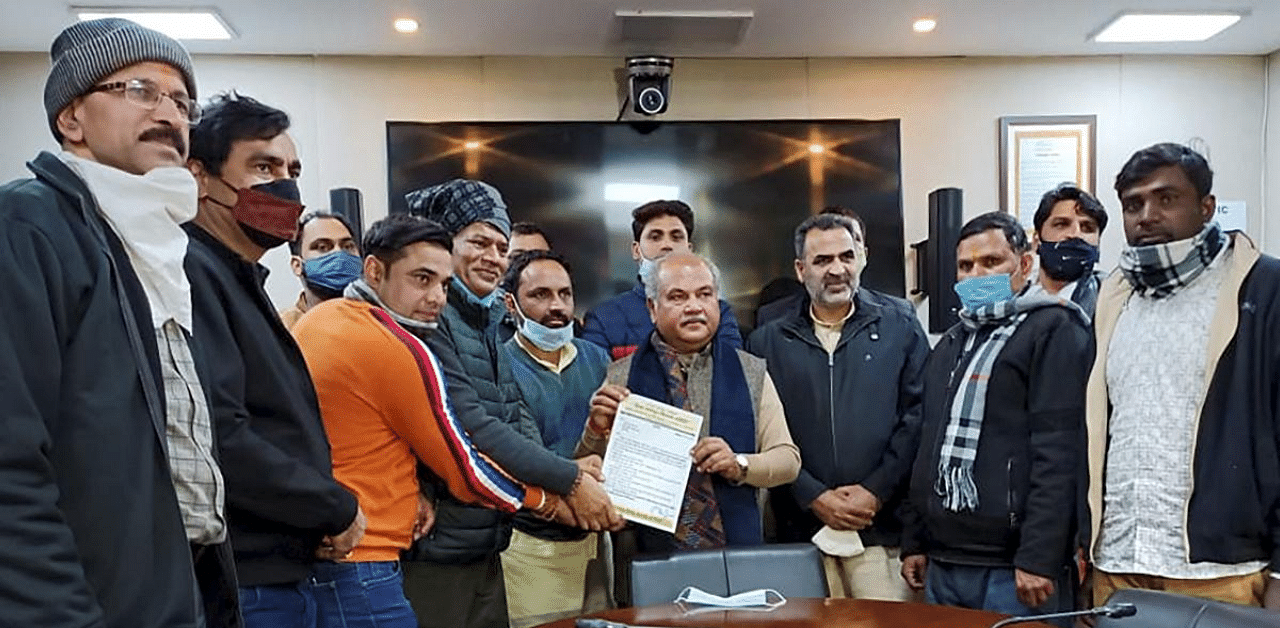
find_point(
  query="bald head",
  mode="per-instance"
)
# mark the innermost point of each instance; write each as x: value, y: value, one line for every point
x: 683, y: 291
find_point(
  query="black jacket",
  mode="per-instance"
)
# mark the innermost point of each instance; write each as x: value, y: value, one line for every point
x: 1234, y: 512
x: 90, y: 532
x: 854, y: 414
x: 1030, y: 458
x: 482, y: 388
x: 281, y: 495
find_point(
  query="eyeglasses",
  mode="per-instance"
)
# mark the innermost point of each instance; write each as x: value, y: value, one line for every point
x: 147, y: 95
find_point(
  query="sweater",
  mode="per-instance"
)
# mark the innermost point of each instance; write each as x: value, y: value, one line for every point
x: 384, y: 403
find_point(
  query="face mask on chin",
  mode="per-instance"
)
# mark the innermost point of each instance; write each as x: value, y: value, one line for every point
x: 267, y: 212
x: 1067, y: 260
x: 543, y: 337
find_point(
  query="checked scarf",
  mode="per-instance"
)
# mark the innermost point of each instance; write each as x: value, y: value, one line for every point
x: 955, y: 484
x: 1157, y: 271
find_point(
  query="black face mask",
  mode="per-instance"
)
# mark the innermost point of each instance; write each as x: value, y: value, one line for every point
x: 267, y: 212
x: 1067, y: 260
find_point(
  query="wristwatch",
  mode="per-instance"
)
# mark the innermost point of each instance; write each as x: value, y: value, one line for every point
x: 741, y: 459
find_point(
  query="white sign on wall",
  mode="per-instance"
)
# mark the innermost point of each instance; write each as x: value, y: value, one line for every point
x: 1232, y: 215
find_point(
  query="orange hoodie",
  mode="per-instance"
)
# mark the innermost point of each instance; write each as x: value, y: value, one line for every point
x: 383, y: 400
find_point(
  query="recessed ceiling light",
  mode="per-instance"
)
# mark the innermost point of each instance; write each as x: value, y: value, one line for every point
x: 406, y: 25
x: 176, y: 23
x: 816, y: 148
x: 472, y: 145
x: 638, y: 192
x: 1165, y: 27
x: 924, y: 25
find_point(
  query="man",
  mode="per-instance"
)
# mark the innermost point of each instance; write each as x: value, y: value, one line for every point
x: 527, y: 236
x: 281, y: 495
x: 992, y: 517
x: 622, y: 323
x: 744, y: 443
x: 545, y: 568
x: 1068, y: 227
x: 1184, y: 464
x: 110, y: 487
x: 460, y: 560
x: 848, y: 369
x: 384, y: 401
x: 325, y: 257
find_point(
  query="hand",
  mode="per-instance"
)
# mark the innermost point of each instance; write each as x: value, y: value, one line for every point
x: 713, y: 455
x: 914, y: 568
x: 839, y: 513
x: 591, y: 465
x: 591, y: 506
x: 338, y: 547
x: 1271, y: 596
x: 426, y: 517
x: 604, y: 406
x: 1033, y: 590
x: 861, y: 498
x: 562, y: 513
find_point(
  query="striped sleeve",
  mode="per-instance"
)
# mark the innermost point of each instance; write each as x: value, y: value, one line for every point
x: 419, y: 411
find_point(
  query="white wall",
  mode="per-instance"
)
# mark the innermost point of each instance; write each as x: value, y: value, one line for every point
x: 948, y: 107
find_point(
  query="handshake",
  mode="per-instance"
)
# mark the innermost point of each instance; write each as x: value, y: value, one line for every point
x: 586, y: 506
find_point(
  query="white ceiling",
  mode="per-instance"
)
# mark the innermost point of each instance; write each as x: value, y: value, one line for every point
x: 780, y: 28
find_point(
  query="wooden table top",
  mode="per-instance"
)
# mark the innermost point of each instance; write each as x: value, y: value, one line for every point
x: 808, y: 613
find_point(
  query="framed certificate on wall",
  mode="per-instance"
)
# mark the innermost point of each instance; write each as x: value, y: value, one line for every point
x: 1039, y: 152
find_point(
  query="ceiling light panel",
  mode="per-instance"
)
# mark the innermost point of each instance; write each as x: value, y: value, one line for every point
x: 1165, y: 27
x: 178, y: 24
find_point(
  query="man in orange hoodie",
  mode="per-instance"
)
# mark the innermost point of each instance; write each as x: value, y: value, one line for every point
x: 385, y: 406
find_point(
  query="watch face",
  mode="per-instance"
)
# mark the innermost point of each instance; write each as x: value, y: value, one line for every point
x: 742, y: 460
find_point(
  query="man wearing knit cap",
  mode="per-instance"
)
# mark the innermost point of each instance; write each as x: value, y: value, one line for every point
x: 453, y: 577
x: 113, y: 500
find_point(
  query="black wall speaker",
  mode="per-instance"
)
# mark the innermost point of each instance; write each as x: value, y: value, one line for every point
x: 347, y: 203
x: 945, y: 214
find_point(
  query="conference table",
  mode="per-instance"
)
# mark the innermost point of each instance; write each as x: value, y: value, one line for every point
x: 807, y: 613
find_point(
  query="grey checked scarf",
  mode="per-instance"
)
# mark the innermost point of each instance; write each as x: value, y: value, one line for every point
x: 360, y: 291
x: 955, y: 484
x: 1157, y: 271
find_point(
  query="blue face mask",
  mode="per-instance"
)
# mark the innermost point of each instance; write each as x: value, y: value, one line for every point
x: 484, y: 302
x: 328, y: 275
x: 543, y: 337
x: 976, y: 292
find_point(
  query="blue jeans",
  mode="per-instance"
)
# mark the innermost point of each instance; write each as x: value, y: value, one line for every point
x: 992, y: 589
x: 361, y: 595
x: 278, y: 606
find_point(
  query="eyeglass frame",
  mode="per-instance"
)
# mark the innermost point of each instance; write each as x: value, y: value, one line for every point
x: 193, y: 113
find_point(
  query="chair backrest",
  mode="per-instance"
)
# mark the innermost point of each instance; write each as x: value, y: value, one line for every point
x: 1160, y: 609
x: 794, y: 570
x: 659, y: 579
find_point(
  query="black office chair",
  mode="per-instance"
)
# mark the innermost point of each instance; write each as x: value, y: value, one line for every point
x: 794, y: 570
x: 1160, y: 609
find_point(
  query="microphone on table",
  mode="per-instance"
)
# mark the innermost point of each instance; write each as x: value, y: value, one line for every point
x: 1120, y: 609
x: 601, y: 623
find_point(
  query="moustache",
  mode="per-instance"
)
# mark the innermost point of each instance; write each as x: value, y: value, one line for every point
x: 167, y: 134
x: 554, y: 318
x: 694, y: 319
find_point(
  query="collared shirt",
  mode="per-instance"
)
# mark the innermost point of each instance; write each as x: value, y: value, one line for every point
x: 197, y: 480
x: 1068, y: 290
x: 567, y: 355
x: 829, y: 333
x: 1156, y: 381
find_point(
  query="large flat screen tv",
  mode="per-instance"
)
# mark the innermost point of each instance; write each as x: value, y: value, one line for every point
x: 749, y: 183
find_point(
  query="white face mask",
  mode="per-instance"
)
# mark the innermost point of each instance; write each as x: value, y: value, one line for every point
x: 646, y: 265
x: 543, y: 337
x: 766, y: 599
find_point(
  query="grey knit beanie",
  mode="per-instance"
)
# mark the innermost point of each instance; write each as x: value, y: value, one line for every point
x: 460, y: 202
x: 86, y: 52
